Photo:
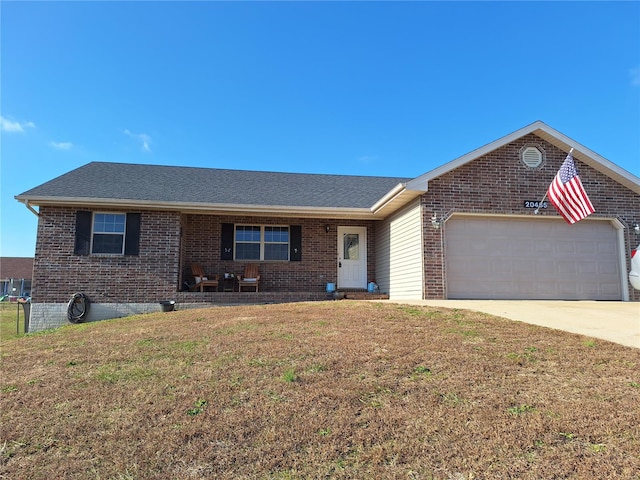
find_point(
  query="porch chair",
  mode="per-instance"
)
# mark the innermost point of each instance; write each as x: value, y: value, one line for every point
x: 201, y: 279
x: 251, y: 277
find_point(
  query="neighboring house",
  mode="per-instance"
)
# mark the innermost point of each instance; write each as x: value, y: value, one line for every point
x: 15, y: 274
x: 126, y: 235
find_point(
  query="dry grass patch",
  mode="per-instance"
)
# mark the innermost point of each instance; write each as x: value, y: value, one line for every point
x: 318, y: 390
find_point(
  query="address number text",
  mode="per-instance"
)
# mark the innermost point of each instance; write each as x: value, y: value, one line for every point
x: 530, y: 204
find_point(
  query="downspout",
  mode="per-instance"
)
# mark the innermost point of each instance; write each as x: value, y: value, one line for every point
x: 33, y: 210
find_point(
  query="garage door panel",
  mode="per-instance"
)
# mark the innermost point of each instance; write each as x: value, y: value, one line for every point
x: 588, y: 269
x: 607, y: 269
x: 545, y: 290
x: 528, y: 245
x: 566, y: 267
x: 565, y: 247
x: 521, y: 266
x: 478, y: 247
x: 566, y: 290
x: 500, y: 267
x: 586, y: 248
x: 607, y: 249
x: 610, y: 288
x: 502, y: 288
x: 542, y: 247
x: 540, y: 258
x: 544, y: 266
x: 588, y: 291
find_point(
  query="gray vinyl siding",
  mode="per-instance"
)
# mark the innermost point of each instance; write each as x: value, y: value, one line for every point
x: 399, y: 264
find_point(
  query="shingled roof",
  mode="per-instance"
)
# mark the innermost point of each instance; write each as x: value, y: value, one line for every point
x: 123, y: 183
x: 16, y: 267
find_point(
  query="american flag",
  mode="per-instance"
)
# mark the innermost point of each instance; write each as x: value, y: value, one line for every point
x: 567, y: 194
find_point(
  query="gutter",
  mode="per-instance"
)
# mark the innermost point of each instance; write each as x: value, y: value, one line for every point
x: 399, y: 195
x: 388, y: 197
x: 187, y: 207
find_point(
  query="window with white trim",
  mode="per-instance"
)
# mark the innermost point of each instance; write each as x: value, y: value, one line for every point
x: 108, y: 233
x: 261, y: 242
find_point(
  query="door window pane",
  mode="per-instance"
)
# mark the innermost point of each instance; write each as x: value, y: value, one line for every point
x: 351, y: 246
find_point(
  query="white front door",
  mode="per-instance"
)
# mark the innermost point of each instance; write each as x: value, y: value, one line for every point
x: 352, y: 257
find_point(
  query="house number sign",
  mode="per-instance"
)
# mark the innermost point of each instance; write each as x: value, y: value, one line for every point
x: 536, y: 204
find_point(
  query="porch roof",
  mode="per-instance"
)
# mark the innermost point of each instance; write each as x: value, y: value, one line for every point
x: 218, y: 191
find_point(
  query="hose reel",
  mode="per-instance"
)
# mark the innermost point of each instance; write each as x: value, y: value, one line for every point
x: 78, y: 307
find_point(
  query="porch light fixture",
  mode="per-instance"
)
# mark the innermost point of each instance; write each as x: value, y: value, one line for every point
x: 636, y: 228
x: 435, y: 223
x: 327, y: 228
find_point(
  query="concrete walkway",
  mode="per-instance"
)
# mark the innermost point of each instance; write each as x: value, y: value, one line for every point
x: 617, y: 322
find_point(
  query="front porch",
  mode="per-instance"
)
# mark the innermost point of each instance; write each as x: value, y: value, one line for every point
x: 309, y: 254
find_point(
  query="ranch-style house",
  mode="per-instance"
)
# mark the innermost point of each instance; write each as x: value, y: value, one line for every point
x: 126, y: 235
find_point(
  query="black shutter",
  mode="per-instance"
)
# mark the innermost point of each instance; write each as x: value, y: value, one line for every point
x: 83, y: 233
x: 295, y: 243
x: 132, y: 235
x: 226, y: 242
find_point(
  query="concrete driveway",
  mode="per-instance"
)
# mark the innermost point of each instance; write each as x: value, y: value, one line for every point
x: 617, y: 322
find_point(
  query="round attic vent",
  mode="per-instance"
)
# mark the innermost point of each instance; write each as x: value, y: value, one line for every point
x: 532, y: 157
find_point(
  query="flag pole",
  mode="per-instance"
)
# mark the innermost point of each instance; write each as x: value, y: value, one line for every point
x: 537, y: 210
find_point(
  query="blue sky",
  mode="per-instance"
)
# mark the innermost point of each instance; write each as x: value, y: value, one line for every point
x: 373, y: 88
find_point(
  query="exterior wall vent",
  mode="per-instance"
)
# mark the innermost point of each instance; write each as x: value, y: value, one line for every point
x: 532, y: 156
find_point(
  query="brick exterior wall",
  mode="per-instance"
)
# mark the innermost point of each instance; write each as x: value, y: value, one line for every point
x: 499, y: 183
x: 150, y: 276
x: 201, y: 243
x: 169, y: 242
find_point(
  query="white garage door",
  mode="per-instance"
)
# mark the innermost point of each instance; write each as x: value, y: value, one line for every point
x: 521, y: 258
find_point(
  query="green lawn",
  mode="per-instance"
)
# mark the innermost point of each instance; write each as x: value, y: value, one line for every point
x: 9, y: 313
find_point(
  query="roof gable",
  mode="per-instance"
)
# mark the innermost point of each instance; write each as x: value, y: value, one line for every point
x: 580, y: 152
